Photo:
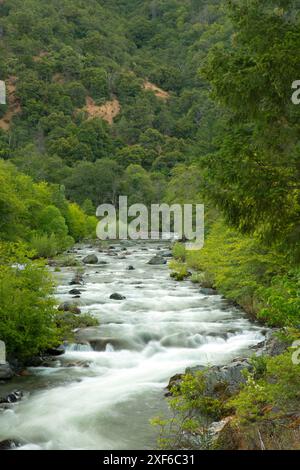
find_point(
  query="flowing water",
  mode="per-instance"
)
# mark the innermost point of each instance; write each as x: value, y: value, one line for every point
x: 103, y: 397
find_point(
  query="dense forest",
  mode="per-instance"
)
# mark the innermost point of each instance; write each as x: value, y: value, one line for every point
x: 165, y: 101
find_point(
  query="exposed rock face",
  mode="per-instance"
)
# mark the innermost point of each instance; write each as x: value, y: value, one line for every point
x: 228, y: 377
x: 90, y: 259
x: 225, y: 378
x: 274, y: 346
x: 117, y: 296
x: 157, y: 260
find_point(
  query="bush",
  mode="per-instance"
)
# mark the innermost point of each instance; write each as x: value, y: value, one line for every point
x: 27, y: 315
x: 192, y: 412
x: 44, y: 246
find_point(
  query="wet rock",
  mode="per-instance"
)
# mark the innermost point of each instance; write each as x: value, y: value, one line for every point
x: 208, y: 291
x: 59, y: 351
x: 69, y: 307
x: 131, y: 268
x: 6, y: 372
x: 75, y: 292
x: 167, y: 254
x: 102, y: 263
x: 9, y: 444
x: 90, y: 259
x: 157, y: 260
x: 117, y: 296
x: 12, y: 397
x: 77, y: 280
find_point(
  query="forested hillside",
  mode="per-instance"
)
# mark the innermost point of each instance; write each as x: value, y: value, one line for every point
x: 164, y: 101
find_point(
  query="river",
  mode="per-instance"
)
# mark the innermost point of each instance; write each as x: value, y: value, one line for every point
x: 103, y: 399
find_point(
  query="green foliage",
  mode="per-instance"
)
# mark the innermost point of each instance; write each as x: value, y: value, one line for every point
x: 240, y: 267
x: 255, y: 174
x: 44, y: 246
x: 274, y: 393
x: 192, y: 412
x: 27, y: 323
x: 67, y: 322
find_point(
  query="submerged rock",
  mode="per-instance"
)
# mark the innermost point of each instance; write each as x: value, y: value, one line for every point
x: 131, y: 268
x: 117, y: 296
x: 90, y: 259
x: 157, y: 260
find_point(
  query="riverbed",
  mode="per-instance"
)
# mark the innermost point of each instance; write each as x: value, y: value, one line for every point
x: 102, y: 393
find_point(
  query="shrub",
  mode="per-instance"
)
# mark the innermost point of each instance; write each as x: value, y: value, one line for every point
x: 44, y: 246
x: 27, y: 315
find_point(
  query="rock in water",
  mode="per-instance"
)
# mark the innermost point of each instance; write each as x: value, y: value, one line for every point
x: 131, y: 268
x: 9, y: 444
x: 117, y: 297
x: 77, y: 280
x: 90, y: 259
x: 157, y: 260
x: 59, y: 351
x: 13, y: 397
x: 75, y: 292
x: 69, y: 307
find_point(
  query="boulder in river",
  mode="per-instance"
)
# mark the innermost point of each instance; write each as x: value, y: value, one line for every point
x: 157, y: 260
x: 69, y: 307
x: 59, y: 351
x: 12, y: 397
x: 90, y: 259
x: 75, y: 292
x: 117, y: 296
x: 131, y: 268
x: 9, y: 444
